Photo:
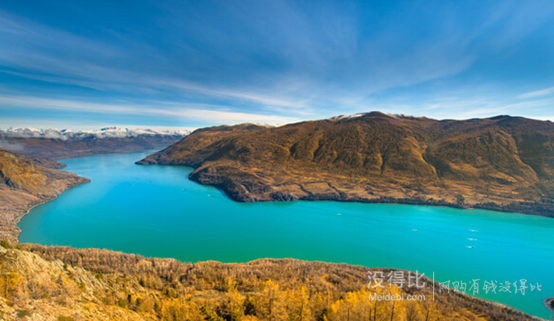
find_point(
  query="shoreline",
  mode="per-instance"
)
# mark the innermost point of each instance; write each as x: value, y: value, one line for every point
x: 6, y: 221
x: 9, y: 222
x: 230, y: 190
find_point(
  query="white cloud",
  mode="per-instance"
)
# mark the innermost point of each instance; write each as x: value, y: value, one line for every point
x: 4, y: 144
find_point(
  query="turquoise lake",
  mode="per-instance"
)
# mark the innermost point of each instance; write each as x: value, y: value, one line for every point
x: 156, y: 211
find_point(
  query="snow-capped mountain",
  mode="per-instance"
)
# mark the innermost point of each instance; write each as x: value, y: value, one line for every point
x: 108, y: 132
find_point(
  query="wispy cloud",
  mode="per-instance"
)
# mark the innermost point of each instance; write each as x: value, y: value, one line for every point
x: 159, y: 109
x: 537, y: 93
x: 320, y: 63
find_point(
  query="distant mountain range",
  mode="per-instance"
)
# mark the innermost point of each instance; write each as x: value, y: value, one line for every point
x: 501, y: 163
x: 107, y: 132
x: 57, y: 144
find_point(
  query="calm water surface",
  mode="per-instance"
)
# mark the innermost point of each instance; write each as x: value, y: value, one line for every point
x: 157, y: 211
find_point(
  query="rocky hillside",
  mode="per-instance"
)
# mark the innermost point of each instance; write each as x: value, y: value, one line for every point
x: 501, y: 163
x: 60, y: 283
x: 26, y: 182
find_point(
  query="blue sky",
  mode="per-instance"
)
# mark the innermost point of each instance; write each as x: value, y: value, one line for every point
x: 76, y: 64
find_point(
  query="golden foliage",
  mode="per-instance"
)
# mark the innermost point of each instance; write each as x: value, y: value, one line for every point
x: 111, y: 285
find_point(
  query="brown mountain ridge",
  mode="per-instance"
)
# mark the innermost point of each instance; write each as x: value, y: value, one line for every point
x: 501, y: 163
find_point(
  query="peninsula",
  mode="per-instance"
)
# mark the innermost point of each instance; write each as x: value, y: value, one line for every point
x: 502, y: 163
